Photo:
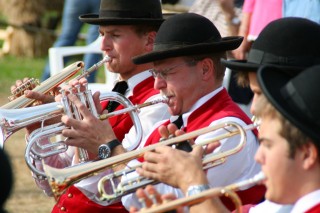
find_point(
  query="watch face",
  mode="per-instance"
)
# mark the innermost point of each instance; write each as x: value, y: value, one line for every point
x: 104, y: 151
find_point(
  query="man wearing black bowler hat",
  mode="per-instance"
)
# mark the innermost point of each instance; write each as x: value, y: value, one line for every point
x: 289, y: 151
x: 187, y: 70
x: 128, y: 28
x: 292, y: 43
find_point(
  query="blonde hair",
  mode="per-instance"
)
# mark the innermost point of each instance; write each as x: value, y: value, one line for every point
x: 296, y: 139
x: 242, y: 78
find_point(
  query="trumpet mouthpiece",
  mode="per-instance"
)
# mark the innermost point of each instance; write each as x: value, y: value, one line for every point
x: 165, y: 99
x: 259, y: 177
x: 106, y: 59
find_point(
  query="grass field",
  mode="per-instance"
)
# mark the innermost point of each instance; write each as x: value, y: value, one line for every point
x: 25, y: 197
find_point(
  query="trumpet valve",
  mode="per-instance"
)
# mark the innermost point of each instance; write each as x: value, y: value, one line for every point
x: 27, y: 85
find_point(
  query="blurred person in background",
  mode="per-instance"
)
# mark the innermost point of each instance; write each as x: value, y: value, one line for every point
x: 256, y: 14
x: 70, y: 29
x: 306, y: 9
x: 226, y: 16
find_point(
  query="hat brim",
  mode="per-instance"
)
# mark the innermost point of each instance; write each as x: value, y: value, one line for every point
x: 95, y: 20
x: 226, y: 43
x: 245, y: 66
x: 271, y: 80
x: 240, y: 65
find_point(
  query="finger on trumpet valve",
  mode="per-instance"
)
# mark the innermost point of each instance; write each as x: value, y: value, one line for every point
x: 153, y: 198
x: 26, y: 85
x: 142, y: 201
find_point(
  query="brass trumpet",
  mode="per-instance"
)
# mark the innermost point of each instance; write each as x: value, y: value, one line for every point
x: 11, y: 122
x: 39, y: 151
x: 208, y: 161
x: 52, y: 82
x: 36, y: 150
x: 228, y: 191
x: 46, y: 86
x: 61, y: 179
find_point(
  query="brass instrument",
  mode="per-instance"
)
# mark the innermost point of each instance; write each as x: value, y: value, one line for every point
x: 46, y: 86
x: 39, y: 151
x: 61, y: 179
x: 228, y: 191
x: 36, y: 149
x: 51, y: 83
x: 11, y: 120
x: 208, y: 161
x: 29, y: 84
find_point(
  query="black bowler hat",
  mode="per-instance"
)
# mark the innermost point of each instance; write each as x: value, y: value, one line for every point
x: 126, y: 12
x: 187, y: 34
x: 291, y: 43
x: 297, y: 99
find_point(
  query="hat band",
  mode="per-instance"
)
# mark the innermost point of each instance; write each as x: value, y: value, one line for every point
x: 158, y: 47
x: 126, y: 14
x: 173, y: 45
x: 260, y: 57
x: 291, y: 95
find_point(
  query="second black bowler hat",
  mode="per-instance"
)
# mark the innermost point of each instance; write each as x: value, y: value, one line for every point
x: 292, y: 43
x: 187, y: 34
x: 297, y: 99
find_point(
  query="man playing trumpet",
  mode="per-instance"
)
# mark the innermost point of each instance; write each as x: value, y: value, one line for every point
x: 289, y: 150
x: 128, y: 29
x: 275, y: 43
x: 187, y: 70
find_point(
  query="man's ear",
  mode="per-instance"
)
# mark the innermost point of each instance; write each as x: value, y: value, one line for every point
x: 311, y: 155
x: 150, y: 38
x: 207, y: 67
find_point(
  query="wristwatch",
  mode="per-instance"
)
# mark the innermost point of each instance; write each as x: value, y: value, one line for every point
x: 104, y: 150
x: 196, y: 189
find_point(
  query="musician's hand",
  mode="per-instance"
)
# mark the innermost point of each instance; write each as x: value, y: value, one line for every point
x: 172, y: 130
x: 26, y: 89
x: 39, y: 97
x: 88, y: 133
x: 83, y: 82
x: 150, y: 197
x: 21, y: 85
x: 174, y: 167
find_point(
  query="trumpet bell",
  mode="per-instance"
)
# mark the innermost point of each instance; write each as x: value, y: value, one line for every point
x: 13, y: 120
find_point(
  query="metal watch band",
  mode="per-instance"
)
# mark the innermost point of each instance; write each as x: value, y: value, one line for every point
x: 196, y: 189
